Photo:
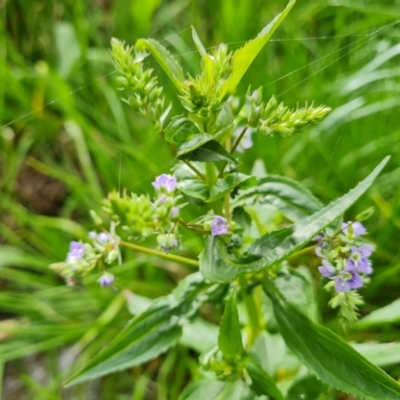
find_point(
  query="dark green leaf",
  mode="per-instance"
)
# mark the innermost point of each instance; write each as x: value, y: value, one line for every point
x: 243, y: 57
x: 164, y: 59
x: 193, y: 143
x: 230, y: 336
x: 180, y: 130
x: 297, y: 291
x: 211, y: 151
x: 288, y: 196
x: 149, y: 334
x: 308, y: 388
x: 329, y: 357
x: 219, y: 266
x: 262, y: 382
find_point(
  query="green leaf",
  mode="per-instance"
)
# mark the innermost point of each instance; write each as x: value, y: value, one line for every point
x: 386, y: 315
x: 230, y: 337
x: 180, y: 130
x: 211, y: 151
x: 196, y: 188
x: 148, y: 335
x: 166, y: 61
x: 262, y: 382
x: 243, y: 57
x: 193, y: 143
x: 228, y: 183
x: 218, y: 265
x: 297, y: 291
x: 198, y: 43
x: 201, y: 390
x: 217, y: 390
x: 287, y: 195
x: 329, y: 357
x: 380, y: 354
x: 308, y: 388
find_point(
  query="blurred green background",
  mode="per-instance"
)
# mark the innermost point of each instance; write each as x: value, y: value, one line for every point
x: 66, y: 139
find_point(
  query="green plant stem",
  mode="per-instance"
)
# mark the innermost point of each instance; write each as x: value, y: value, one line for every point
x: 185, y: 225
x: 157, y: 253
x: 194, y: 169
x: 254, y: 326
x: 188, y: 163
x: 234, y: 147
x: 212, y: 179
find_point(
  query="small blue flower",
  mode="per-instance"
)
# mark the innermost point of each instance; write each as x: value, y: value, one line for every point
x: 219, y: 226
x: 164, y: 181
x: 353, y: 228
x: 359, y: 259
x: 76, y: 251
x: 327, y: 269
x: 347, y: 280
x: 106, y: 279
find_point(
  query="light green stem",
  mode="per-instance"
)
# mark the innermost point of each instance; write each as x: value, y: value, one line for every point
x: 254, y: 326
x: 157, y: 253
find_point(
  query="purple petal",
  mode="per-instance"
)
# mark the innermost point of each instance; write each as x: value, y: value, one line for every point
x: 356, y: 281
x: 165, y: 181
x: 219, y: 226
x: 341, y: 285
x: 365, y: 250
x: 351, y: 265
x: 326, y: 270
x: 364, y: 266
x: 318, y: 252
x: 358, y: 229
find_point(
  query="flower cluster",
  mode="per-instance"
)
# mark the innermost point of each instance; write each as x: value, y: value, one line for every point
x: 344, y: 257
x: 83, y: 257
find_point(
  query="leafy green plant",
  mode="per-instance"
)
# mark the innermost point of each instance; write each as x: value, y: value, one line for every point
x: 228, y: 206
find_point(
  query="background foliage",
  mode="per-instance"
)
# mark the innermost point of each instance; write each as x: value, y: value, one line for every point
x: 66, y: 140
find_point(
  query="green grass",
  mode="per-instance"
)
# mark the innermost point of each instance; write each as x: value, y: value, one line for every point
x: 66, y: 139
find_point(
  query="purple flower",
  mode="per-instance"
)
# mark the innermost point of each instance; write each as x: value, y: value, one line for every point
x: 167, y: 241
x: 104, y: 238
x: 164, y: 181
x: 106, y: 279
x: 359, y: 259
x: 347, y: 280
x: 353, y: 228
x: 174, y: 212
x: 76, y: 251
x: 219, y: 226
x: 327, y: 269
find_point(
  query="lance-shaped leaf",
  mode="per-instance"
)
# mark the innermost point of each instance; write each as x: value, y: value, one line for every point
x: 166, y: 61
x: 211, y: 151
x: 149, y: 334
x: 329, y: 357
x: 230, y: 336
x: 218, y: 265
x: 262, y: 382
x: 197, y: 41
x: 288, y: 196
x: 243, y: 57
